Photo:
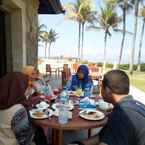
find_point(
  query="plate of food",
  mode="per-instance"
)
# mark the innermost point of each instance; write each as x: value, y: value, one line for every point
x: 39, y: 114
x: 57, y: 105
x: 91, y: 114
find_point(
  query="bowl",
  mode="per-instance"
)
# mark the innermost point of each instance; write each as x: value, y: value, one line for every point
x: 103, y: 105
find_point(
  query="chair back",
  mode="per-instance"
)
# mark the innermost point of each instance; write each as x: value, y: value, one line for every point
x: 48, y: 68
x: 66, y: 73
x: 74, y: 67
x: 95, y: 72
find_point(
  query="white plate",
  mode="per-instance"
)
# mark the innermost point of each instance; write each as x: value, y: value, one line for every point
x: 42, y: 106
x: 56, y: 106
x: 44, y: 116
x: 90, y: 114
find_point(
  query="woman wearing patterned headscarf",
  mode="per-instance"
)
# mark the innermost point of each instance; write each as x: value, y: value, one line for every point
x: 37, y: 84
x: 81, y: 80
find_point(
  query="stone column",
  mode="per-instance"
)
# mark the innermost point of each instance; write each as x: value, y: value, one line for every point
x: 32, y: 25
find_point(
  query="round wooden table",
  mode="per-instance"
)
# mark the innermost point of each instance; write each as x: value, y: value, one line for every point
x: 76, y: 123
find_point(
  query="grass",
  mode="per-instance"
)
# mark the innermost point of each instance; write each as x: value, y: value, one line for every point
x: 138, y: 80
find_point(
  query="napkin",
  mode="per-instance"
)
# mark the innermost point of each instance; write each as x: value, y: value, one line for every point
x: 87, y: 103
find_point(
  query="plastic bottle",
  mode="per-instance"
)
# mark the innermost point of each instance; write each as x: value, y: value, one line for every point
x: 63, y: 113
x: 64, y: 97
x: 63, y: 109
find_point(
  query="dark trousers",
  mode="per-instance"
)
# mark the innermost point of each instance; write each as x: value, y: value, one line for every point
x: 40, y: 138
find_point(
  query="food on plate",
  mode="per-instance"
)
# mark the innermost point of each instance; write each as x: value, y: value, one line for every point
x: 92, y: 114
x: 38, y: 114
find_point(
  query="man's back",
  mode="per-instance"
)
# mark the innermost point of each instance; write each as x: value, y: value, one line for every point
x: 125, y: 126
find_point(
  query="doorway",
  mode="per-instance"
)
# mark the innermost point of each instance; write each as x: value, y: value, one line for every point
x: 3, y: 62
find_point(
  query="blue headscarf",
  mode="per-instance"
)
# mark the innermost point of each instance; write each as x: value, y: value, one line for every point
x: 85, y: 82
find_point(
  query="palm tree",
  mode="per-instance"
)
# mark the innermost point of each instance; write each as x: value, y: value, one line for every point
x: 136, y: 5
x: 125, y: 6
x: 141, y: 39
x: 41, y: 29
x: 49, y: 38
x: 80, y: 12
x: 86, y: 15
x: 72, y: 12
x: 106, y: 21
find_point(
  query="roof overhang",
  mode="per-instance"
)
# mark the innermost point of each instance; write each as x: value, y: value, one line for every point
x: 50, y: 7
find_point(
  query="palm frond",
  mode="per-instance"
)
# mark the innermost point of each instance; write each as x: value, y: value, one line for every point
x: 93, y: 28
x: 121, y: 30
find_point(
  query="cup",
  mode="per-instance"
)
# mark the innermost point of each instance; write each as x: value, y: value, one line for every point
x: 103, y: 105
x: 56, y: 92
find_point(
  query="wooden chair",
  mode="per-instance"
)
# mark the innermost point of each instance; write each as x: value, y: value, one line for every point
x: 49, y: 70
x: 74, y: 67
x: 95, y: 72
x: 65, y: 75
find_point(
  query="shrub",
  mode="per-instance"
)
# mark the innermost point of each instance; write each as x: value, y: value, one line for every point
x: 109, y: 65
x: 126, y: 66
x: 143, y: 67
x: 100, y: 64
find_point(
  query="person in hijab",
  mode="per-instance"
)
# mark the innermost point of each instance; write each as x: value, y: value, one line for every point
x: 15, y: 123
x: 15, y: 128
x: 81, y: 80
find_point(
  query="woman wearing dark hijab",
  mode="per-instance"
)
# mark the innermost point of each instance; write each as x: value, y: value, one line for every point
x: 15, y: 127
x: 81, y: 80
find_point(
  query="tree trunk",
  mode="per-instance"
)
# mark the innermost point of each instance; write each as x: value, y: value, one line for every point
x: 82, y: 47
x: 123, y: 36
x: 140, y: 46
x: 45, y: 49
x: 105, y: 43
x: 49, y: 49
x: 79, y: 40
x: 134, y: 38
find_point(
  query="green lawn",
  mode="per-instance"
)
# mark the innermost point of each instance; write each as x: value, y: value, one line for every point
x: 138, y: 80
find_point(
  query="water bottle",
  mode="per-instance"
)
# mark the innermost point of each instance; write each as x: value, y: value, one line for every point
x: 63, y: 114
x: 64, y: 97
x: 46, y: 90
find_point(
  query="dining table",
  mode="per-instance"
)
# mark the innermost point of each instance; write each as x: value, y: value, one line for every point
x: 75, y: 123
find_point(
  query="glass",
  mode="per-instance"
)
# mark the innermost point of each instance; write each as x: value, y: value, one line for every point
x: 63, y: 113
x: 56, y: 92
x: 79, y: 92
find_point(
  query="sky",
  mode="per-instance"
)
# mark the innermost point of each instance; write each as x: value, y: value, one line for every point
x: 66, y: 43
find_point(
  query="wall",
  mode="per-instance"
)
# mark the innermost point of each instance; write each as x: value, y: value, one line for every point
x: 21, y: 32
